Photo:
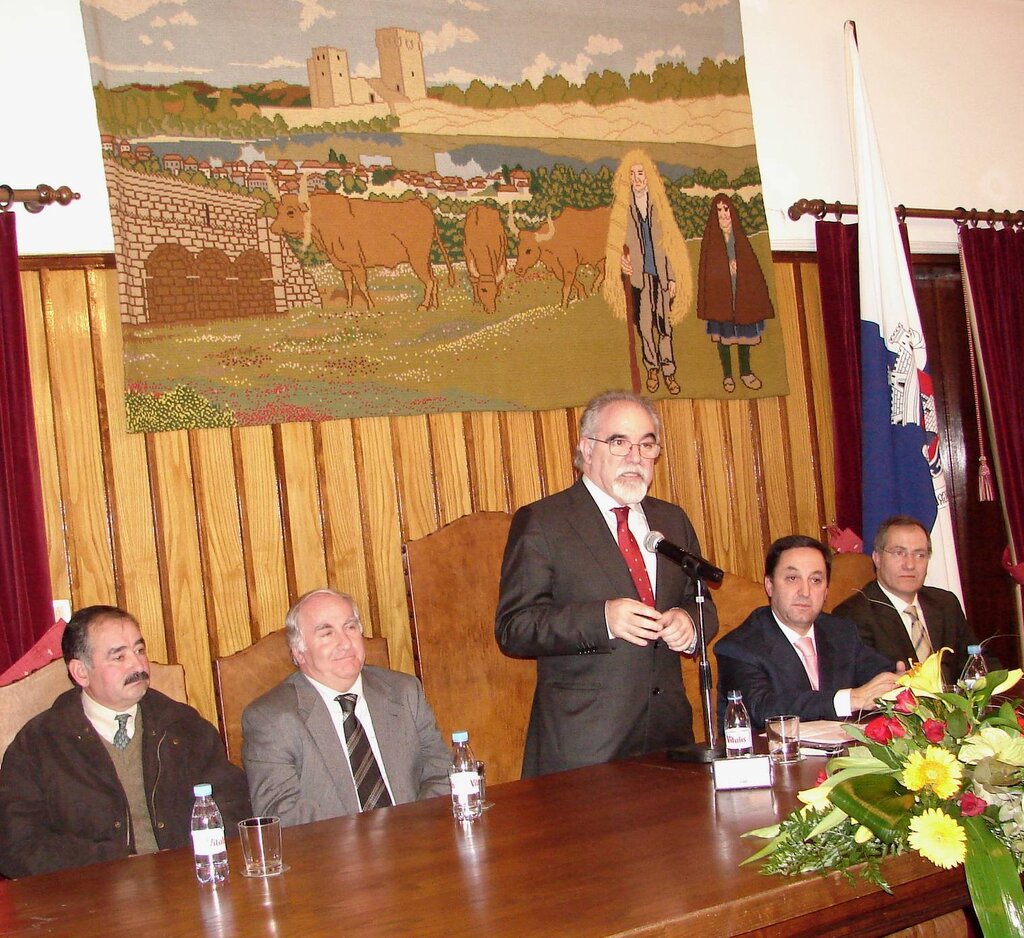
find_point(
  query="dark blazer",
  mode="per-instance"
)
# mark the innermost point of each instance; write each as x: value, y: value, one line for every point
x: 760, y: 661
x: 298, y: 768
x: 597, y: 699
x: 882, y: 626
x: 62, y: 804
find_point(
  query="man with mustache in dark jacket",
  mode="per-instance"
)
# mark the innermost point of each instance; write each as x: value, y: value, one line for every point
x: 108, y: 770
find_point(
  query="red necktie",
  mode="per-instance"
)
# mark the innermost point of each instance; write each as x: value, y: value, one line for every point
x: 634, y: 559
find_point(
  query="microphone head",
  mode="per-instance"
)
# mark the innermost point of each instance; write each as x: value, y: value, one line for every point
x: 652, y: 539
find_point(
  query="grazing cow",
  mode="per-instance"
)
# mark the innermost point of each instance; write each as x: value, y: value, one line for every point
x: 357, y: 234
x: 577, y: 237
x: 486, y: 250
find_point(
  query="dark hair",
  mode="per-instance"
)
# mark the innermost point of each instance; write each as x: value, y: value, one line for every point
x: 74, y: 643
x: 791, y: 541
x: 899, y: 521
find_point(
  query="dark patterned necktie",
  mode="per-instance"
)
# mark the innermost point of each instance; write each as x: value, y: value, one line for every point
x: 634, y: 559
x: 370, y: 787
x: 121, y: 738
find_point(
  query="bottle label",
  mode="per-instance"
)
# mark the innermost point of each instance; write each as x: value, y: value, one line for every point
x: 209, y: 842
x: 464, y: 783
x: 738, y: 737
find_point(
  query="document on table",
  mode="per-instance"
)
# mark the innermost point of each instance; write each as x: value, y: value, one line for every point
x: 823, y: 738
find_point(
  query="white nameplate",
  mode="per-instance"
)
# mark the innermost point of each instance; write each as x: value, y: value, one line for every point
x: 742, y: 772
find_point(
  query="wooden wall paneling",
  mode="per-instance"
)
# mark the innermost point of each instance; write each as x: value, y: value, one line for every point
x: 136, y: 570
x: 819, y: 390
x: 76, y: 423
x: 414, y: 471
x: 681, y: 464
x: 713, y: 430
x: 798, y: 408
x: 558, y: 449
x: 451, y: 466
x: 488, y: 483
x: 339, y: 496
x: 175, y: 515
x: 523, y: 459
x: 220, y: 541
x: 388, y: 609
x: 779, y: 491
x: 262, y: 532
x: 46, y: 443
x: 748, y: 510
x: 305, y: 559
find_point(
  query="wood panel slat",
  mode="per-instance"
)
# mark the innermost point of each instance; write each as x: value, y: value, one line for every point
x: 417, y: 492
x: 559, y: 445
x: 488, y: 485
x: 300, y: 499
x: 520, y: 443
x: 451, y: 467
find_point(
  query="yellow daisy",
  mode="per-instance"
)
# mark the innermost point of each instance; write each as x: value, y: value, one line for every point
x: 934, y: 768
x: 938, y: 838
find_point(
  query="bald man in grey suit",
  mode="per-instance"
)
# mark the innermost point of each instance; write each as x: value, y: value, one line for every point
x: 295, y: 743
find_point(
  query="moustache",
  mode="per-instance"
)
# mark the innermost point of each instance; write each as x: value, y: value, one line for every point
x: 135, y: 677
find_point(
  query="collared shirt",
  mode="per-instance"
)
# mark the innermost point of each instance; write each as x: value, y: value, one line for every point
x: 900, y: 605
x: 841, y: 698
x: 104, y: 719
x: 362, y: 712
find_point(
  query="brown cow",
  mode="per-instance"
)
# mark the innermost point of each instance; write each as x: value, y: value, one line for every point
x: 357, y: 234
x: 577, y: 237
x: 486, y: 249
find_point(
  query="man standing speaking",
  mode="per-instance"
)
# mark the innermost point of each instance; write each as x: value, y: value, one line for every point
x: 605, y: 619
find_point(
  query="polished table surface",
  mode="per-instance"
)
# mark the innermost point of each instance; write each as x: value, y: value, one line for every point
x: 644, y: 847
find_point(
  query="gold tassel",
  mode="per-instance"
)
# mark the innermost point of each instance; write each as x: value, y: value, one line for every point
x: 985, y: 491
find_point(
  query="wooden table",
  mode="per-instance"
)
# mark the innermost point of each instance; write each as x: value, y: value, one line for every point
x: 643, y: 847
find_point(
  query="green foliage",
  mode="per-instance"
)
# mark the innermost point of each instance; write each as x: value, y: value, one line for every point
x: 182, y: 408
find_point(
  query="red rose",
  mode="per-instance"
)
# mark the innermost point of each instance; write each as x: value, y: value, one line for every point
x: 971, y: 805
x: 883, y: 729
x: 934, y: 730
x: 896, y: 728
x: 822, y: 778
x: 905, y: 701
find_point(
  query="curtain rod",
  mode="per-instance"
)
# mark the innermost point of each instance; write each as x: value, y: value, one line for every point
x: 819, y: 208
x: 36, y: 199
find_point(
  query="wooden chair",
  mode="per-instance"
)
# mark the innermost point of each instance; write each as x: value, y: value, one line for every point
x: 242, y: 677
x: 23, y: 699
x: 849, y: 573
x: 453, y: 579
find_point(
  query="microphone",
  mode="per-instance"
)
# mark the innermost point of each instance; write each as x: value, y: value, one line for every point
x: 693, y: 564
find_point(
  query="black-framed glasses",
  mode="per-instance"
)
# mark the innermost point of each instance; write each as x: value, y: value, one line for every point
x: 619, y: 446
x: 901, y: 553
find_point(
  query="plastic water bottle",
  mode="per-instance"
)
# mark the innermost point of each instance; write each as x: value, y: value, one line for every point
x: 974, y: 670
x: 464, y: 778
x: 208, y: 838
x: 738, y: 739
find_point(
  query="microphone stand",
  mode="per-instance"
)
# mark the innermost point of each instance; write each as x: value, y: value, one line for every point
x: 709, y: 750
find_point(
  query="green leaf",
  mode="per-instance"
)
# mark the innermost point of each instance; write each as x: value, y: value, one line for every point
x: 993, y: 881
x: 957, y: 724
x: 878, y: 802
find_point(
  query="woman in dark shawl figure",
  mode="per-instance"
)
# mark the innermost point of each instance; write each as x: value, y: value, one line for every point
x: 732, y: 295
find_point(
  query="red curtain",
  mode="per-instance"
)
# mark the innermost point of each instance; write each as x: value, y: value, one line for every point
x: 994, y: 262
x: 840, y: 312
x: 26, y: 603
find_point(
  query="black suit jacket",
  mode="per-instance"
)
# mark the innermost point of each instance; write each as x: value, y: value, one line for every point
x: 882, y: 626
x: 760, y: 661
x: 597, y: 699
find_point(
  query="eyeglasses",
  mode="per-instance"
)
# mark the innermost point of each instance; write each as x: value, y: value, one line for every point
x: 901, y: 553
x: 619, y: 446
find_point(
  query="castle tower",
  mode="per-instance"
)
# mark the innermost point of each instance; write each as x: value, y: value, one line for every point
x: 328, y: 73
x: 401, y: 62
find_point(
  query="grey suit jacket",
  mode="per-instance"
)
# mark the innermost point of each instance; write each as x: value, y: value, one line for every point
x: 297, y: 766
x: 597, y: 699
x: 882, y: 626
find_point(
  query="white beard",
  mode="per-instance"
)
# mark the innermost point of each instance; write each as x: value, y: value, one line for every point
x: 630, y: 489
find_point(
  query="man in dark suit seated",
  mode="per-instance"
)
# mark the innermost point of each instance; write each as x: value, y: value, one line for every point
x: 605, y: 619
x: 108, y: 770
x: 789, y: 656
x: 337, y: 737
x: 898, y: 615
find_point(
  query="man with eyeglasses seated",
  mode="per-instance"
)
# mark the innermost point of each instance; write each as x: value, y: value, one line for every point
x: 896, y: 613
x: 605, y: 618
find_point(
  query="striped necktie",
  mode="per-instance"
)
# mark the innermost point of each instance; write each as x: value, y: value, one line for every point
x: 918, y: 633
x: 370, y: 787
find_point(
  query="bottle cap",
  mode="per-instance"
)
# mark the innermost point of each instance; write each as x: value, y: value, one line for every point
x: 460, y: 736
x: 974, y: 649
x: 203, y: 790
x: 735, y: 695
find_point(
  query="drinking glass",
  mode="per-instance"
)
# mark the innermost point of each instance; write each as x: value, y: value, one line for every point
x: 261, y: 846
x: 783, y: 738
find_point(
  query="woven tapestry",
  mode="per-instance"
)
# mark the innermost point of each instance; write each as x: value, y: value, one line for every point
x: 326, y: 209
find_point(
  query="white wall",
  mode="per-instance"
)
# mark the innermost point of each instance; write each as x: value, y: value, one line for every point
x: 947, y: 139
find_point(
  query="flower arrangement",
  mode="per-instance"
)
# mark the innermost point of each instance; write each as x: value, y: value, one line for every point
x: 936, y: 772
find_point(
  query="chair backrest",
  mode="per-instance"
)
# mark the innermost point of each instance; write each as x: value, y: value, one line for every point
x: 242, y: 677
x: 23, y: 699
x: 453, y: 577
x: 849, y: 573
